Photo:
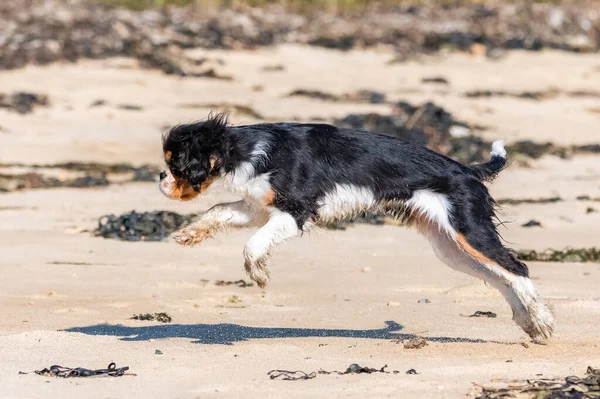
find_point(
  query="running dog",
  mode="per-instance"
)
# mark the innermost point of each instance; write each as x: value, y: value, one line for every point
x: 293, y: 176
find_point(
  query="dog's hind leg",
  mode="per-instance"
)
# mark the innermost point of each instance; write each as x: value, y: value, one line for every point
x: 280, y: 227
x: 496, y: 265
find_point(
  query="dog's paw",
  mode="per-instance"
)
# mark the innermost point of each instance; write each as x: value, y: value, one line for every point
x: 191, y: 236
x: 258, y: 271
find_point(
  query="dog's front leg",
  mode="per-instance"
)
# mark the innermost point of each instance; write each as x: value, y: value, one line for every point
x: 219, y: 218
x: 280, y: 227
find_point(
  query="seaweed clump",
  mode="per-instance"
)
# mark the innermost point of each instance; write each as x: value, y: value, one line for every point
x: 161, y: 317
x: 556, y: 388
x: 583, y: 255
x: 147, y: 226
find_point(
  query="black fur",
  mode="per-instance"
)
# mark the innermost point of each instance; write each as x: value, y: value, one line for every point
x: 306, y: 161
x: 192, y: 146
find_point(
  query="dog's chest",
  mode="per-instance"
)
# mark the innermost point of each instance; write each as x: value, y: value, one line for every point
x: 244, y: 182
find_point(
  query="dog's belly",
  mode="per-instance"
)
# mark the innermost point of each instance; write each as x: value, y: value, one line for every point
x: 346, y: 201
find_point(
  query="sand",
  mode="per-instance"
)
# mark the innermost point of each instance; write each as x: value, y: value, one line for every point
x: 336, y: 297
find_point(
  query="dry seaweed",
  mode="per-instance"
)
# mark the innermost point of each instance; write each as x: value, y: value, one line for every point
x: 426, y: 124
x: 582, y: 255
x: 571, y: 387
x: 435, y: 80
x: 361, y: 96
x: 532, y: 95
x: 528, y: 95
x: 94, y: 175
x: 23, y: 102
x: 537, y: 150
x: 588, y: 198
x: 239, y: 283
x: 130, y: 107
x: 432, y: 126
x: 415, y: 343
x: 147, y: 226
x: 68, y: 372
x: 288, y: 375
x: 160, y: 317
x: 36, y: 180
x: 519, y: 201
x: 273, y: 68
x: 480, y: 313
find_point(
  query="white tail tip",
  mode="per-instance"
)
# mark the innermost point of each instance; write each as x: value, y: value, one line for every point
x: 498, y: 149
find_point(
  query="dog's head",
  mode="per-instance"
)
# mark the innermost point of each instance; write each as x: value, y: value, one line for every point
x: 194, y: 156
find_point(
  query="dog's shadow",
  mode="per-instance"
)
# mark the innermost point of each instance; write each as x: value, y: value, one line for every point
x: 227, y: 334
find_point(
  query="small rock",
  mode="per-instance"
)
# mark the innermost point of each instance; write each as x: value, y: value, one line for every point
x: 393, y: 303
x: 532, y: 223
x: 158, y: 352
x: 425, y: 300
x: 412, y: 372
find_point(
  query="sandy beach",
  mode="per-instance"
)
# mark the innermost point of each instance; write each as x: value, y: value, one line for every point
x: 336, y: 297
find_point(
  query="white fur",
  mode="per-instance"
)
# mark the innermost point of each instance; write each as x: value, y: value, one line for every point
x: 344, y: 201
x: 498, y: 149
x: 529, y: 311
x: 280, y: 227
x: 234, y: 214
x: 244, y: 182
x: 433, y: 206
x: 165, y: 184
x: 260, y: 152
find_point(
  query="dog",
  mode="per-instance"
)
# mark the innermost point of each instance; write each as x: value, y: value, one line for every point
x: 294, y: 176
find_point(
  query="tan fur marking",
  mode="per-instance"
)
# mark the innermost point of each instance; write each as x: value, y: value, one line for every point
x: 475, y: 254
x: 269, y: 198
x: 204, y: 186
x: 168, y: 156
x: 182, y: 190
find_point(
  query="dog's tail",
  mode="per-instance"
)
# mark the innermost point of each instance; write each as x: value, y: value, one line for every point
x: 489, y: 170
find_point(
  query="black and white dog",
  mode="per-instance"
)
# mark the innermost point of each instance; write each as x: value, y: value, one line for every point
x: 293, y: 176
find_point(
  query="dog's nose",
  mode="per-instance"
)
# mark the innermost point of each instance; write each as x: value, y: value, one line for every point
x: 162, y: 175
